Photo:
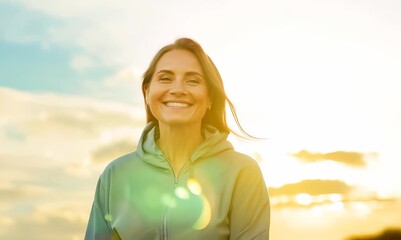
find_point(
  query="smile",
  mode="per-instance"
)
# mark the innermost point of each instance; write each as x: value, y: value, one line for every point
x: 177, y: 104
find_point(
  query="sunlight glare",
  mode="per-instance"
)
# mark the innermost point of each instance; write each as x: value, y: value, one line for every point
x: 336, y: 206
x: 317, y: 210
x: 361, y: 209
x: 206, y: 215
x: 335, y: 197
x: 194, y: 186
x: 182, y: 193
x: 303, y: 199
x: 280, y: 199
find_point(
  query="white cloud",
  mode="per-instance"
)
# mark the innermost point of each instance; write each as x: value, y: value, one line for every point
x: 47, y: 142
x: 124, y: 85
x: 58, y: 128
x: 62, y: 220
x: 127, y: 77
x: 126, y: 32
x: 15, y: 193
x: 81, y: 63
x: 107, y: 152
x: 43, y: 134
x: 55, y: 131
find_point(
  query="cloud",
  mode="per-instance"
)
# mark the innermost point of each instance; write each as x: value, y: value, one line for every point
x: 18, y: 193
x: 335, y: 220
x: 312, y: 187
x: 355, y: 159
x: 124, y: 84
x: 87, y: 27
x: 46, y: 136
x: 48, y: 221
x: 81, y: 63
x: 123, y: 32
x: 387, y: 234
x: 27, y: 115
x: 125, y: 77
x: 14, y: 134
x: 107, y: 153
x: 28, y: 25
x: 62, y: 128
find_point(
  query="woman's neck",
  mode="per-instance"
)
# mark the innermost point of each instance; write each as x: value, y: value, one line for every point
x: 178, y: 143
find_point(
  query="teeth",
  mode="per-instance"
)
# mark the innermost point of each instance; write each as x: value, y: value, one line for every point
x: 177, y: 104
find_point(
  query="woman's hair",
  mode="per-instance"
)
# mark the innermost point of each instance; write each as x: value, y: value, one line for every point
x: 216, y: 116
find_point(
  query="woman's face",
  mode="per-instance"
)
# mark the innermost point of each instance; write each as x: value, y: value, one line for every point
x: 177, y: 93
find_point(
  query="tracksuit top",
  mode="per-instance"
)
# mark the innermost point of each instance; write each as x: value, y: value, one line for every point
x: 218, y: 194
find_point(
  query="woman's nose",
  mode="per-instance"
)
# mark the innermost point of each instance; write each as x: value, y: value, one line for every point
x: 178, y: 87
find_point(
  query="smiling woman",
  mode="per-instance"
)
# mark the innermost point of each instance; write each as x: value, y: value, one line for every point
x: 177, y: 94
x: 185, y: 180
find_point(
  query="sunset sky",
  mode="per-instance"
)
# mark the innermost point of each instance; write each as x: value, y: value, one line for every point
x: 320, y: 80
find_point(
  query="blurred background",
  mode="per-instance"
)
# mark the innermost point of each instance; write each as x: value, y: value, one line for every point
x: 320, y: 80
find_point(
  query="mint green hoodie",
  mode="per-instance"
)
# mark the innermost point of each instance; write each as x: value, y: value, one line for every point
x: 218, y: 194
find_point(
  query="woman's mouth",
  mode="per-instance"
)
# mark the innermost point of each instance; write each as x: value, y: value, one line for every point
x: 177, y: 104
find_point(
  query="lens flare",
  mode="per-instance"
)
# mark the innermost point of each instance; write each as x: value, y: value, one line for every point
x: 182, y: 193
x: 194, y: 186
x: 205, y: 216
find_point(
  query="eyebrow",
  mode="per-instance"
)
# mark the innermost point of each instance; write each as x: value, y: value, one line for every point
x: 187, y: 73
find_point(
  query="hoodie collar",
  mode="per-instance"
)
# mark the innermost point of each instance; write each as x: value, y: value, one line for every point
x: 214, y: 143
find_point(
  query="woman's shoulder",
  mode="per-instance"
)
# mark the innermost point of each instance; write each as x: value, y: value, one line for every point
x: 232, y: 160
x: 126, y: 161
x: 237, y: 157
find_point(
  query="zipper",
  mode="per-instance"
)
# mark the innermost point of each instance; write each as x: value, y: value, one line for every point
x: 164, y: 226
x: 115, y: 235
x: 164, y: 231
x: 176, y: 176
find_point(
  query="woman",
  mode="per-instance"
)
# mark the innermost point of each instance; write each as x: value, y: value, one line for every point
x: 184, y: 181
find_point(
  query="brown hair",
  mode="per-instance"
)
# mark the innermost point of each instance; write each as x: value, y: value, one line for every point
x: 216, y: 116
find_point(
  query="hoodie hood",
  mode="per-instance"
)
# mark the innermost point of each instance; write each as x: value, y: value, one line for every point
x: 147, y: 149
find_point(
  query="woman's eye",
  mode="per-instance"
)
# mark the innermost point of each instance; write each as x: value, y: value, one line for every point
x: 165, y: 79
x: 193, y: 81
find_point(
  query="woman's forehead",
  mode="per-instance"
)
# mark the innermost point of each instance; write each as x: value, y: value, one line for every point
x: 179, y: 60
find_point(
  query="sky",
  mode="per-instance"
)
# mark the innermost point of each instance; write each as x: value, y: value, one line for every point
x: 320, y: 80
